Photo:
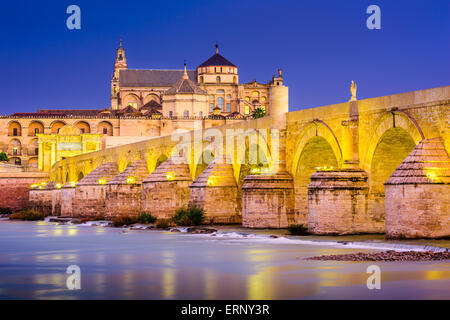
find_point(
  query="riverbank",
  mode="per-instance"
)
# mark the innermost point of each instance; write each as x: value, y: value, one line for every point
x: 387, y: 256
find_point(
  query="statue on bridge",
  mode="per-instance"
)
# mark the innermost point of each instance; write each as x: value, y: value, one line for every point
x: 353, y: 91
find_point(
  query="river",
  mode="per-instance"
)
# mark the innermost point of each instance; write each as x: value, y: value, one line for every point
x: 143, y: 264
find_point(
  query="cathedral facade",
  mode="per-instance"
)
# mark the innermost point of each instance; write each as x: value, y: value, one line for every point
x: 144, y: 104
x: 214, y: 84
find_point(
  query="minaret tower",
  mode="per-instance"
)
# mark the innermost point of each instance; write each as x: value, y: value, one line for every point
x: 119, y: 64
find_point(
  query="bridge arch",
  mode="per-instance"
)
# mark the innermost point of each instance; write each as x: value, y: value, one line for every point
x: 316, y: 128
x: 56, y: 125
x: 390, y: 120
x: 255, y: 154
x: 205, y: 159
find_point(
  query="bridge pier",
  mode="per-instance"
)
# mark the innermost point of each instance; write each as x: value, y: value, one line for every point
x: 337, y: 203
x: 56, y: 200
x: 268, y: 201
x: 215, y: 190
x: 40, y: 198
x: 67, y: 194
x: 90, y: 192
x: 417, y: 194
x: 167, y: 188
x: 124, y: 192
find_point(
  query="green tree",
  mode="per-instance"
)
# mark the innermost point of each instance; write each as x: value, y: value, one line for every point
x: 258, y: 113
x: 4, y: 157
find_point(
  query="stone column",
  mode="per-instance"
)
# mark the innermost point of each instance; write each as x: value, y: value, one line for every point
x: 167, y: 188
x: 337, y: 199
x: 53, y: 154
x: 40, y: 156
x: 351, y: 138
x: 268, y: 199
x: 90, y: 192
x: 124, y: 192
x: 417, y: 194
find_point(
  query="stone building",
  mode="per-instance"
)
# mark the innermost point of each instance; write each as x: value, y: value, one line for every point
x: 144, y: 104
x: 217, y: 77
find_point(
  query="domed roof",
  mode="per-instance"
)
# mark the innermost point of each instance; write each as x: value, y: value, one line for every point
x: 217, y: 60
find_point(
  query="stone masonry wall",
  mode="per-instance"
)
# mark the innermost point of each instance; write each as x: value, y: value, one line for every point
x: 418, y: 211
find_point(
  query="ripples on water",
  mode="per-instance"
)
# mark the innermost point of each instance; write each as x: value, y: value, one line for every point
x: 118, y: 264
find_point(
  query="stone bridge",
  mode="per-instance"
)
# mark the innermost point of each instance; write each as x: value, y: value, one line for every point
x: 328, y: 167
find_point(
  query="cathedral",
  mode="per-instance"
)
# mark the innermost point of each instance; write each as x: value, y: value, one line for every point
x: 214, y: 85
x: 145, y: 103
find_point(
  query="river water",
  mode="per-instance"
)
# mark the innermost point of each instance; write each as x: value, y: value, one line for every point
x: 143, y: 264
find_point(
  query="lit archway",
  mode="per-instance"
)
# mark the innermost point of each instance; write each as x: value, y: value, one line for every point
x: 392, y: 148
x: 206, y: 158
x: 35, y: 127
x: 317, y: 152
x: 83, y: 126
x: 56, y: 126
x: 14, y: 129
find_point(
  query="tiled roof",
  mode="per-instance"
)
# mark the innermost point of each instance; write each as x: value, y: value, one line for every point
x: 106, y: 171
x: 216, y: 175
x: 427, y: 163
x: 185, y: 86
x: 173, y: 169
x: 137, y: 171
x: 152, y: 78
x: 217, y: 60
x: 71, y: 112
x: 152, y: 104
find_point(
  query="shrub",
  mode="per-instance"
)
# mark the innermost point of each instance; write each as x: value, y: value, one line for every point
x: 298, y: 229
x: 4, y: 157
x: 29, y: 215
x: 146, y: 217
x: 124, y: 221
x: 258, y: 113
x: 192, y: 216
x: 162, y: 223
x: 5, y: 210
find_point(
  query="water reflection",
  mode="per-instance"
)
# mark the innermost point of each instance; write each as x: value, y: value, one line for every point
x: 152, y: 265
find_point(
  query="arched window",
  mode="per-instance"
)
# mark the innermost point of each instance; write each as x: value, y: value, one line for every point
x: 186, y: 113
x: 218, y: 79
x: 170, y: 114
x: 211, y: 107
x: 200, y: 114
x: 220, y: 91
x: 228, y: 96
x: 220, y: 103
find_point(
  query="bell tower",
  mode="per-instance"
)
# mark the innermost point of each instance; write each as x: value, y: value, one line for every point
x: 119, y: 64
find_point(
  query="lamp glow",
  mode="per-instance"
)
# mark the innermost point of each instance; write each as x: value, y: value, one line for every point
x: 102, y: 181
x: 170, y: 175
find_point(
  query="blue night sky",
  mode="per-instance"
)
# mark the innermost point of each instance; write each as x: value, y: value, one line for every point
x: 320, y: 45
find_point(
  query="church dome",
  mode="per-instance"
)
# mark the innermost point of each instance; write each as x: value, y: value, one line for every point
x: 217, y: 60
